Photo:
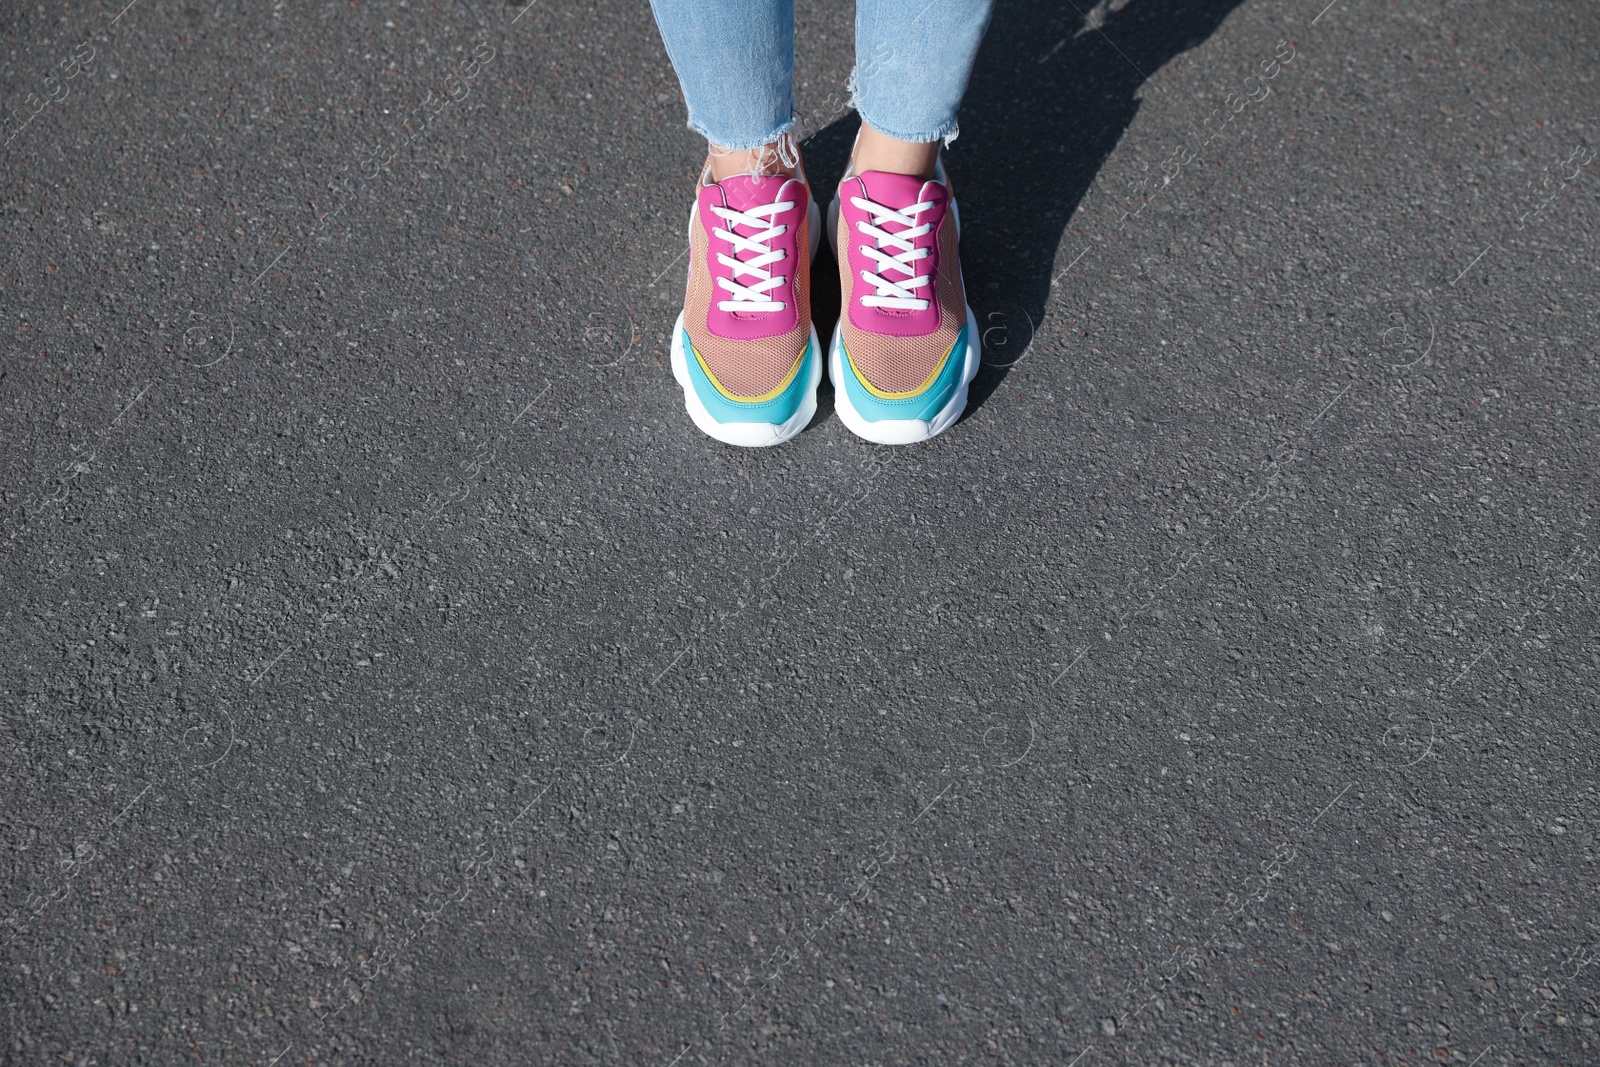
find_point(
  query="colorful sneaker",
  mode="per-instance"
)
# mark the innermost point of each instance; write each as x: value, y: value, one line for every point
x: 744, y: 348
x: 907, y: 344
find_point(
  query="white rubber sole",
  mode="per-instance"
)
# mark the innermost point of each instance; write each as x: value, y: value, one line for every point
x: 746, y: 434
x: 903, y: 431
x: 751, y: 434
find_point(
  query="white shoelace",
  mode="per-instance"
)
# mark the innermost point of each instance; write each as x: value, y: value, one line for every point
x: 752, y: 297
x: 899, y: 295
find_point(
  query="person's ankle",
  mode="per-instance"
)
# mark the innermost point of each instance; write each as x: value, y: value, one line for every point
x: 880, y: 152
x: 780, y: 158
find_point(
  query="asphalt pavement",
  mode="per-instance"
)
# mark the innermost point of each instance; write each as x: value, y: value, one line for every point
x: 390, y: 673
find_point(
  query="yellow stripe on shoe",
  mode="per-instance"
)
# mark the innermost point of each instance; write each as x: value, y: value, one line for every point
x: 769, y: 395
x: 909, y: 393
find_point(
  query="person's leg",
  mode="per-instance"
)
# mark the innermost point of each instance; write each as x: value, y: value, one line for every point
x: 906, y: 346
x: 735, y: 63
x: 911, y: 72
x: 744, y: 350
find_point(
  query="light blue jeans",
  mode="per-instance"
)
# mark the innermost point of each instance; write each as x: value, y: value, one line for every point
x: 735, y: 61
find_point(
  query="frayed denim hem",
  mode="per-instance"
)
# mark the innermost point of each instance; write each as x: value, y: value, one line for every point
x: 944, y: 133
x: 786, y: 130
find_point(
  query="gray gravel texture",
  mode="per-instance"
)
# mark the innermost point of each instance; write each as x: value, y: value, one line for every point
x: 392, y: 674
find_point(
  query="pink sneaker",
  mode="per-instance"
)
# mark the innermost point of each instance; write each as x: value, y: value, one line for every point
x: 744, y: 348
x: 906, y: 346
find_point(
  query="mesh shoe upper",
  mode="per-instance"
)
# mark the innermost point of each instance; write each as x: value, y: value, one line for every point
x: 749, y: 354
x: 895, y: 346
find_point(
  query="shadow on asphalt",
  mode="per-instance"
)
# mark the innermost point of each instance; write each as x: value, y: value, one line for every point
x: 1049, y: 100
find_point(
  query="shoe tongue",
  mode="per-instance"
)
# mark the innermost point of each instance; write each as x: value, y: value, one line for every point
x: 895, y: 190
x: 741, y: 192
x: 744, y: 191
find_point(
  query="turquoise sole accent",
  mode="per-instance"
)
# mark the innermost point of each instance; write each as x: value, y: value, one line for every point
x: 925, y: 405
x: 776, y: 411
